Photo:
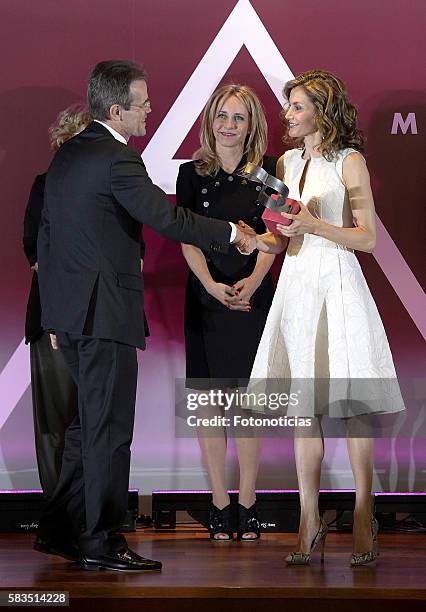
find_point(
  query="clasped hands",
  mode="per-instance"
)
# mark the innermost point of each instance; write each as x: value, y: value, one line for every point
x: 235, y: 297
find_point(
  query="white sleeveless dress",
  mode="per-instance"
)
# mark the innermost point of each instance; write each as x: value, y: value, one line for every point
x: 323, y: 322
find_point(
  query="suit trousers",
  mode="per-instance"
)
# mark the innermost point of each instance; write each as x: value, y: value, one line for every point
x: 91, y: 498
x: 54, y: 396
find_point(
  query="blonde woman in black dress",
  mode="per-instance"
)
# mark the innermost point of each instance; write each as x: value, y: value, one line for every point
x: 227, y: 296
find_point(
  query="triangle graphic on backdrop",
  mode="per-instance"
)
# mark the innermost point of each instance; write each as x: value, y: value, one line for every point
x: 163, y: 169
x: 242, y: 28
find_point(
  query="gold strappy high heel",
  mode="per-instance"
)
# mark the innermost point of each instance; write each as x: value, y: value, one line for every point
x: 301, y: 558
x: 371, y: 555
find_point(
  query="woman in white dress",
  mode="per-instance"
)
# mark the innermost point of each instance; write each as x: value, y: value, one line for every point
x: 323, y: 322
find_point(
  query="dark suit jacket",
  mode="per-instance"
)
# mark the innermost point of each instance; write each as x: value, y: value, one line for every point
x: 97, y: 195
x: 33, y: 328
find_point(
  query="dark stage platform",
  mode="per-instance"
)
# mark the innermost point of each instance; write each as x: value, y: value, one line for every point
x: 229, y: 576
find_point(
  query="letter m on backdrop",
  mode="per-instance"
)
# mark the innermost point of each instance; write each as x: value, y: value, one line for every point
x: 409, y: 123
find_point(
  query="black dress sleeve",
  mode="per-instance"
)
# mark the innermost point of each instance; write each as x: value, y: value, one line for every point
x: 185, y: 187
x: 32, y: 218
x: 142, y: 244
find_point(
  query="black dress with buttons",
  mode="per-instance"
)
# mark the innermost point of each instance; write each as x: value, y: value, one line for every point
x: 222, y: 343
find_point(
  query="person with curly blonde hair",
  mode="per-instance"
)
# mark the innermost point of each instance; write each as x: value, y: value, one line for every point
x: 323, y: 325
x: 54, y: 394
x: 69, y: 122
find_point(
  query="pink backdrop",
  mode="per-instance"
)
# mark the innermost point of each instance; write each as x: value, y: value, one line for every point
x: 48, y: 48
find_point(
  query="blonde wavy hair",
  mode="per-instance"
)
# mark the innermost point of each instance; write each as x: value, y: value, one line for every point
x: 207, y: 160
x: 68, y: 123
x: 335, y: 116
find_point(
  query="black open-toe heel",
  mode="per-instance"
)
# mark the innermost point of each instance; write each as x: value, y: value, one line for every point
x: 248, y: 522
x: 220, y: 522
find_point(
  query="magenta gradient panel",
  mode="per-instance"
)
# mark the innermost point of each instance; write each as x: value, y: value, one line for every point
x: 373, y: 46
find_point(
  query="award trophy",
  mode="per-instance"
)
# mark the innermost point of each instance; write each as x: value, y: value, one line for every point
x: 273, y: 196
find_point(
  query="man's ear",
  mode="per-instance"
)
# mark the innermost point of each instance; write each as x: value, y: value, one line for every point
x: 115, y: 112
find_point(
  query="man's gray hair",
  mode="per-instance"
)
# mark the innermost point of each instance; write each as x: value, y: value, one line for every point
x: 109, y: 83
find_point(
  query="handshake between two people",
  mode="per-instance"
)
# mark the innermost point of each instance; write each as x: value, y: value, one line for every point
x: 246, y: 239
x: 303, y: 222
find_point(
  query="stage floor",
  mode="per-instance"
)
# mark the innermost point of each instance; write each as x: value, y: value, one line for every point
x: 218, y: 576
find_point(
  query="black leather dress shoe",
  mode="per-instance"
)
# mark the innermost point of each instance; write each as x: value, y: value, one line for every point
x: 62, y: 548
x: 122, y: 560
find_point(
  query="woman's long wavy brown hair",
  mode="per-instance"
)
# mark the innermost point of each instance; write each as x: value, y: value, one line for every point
x: 207, y: 160
x: 335, y: 115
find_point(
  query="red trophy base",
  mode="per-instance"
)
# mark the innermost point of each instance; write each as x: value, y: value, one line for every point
x: 271, y: 218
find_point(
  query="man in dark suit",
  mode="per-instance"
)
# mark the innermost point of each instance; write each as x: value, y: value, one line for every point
x: 97, y: 195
